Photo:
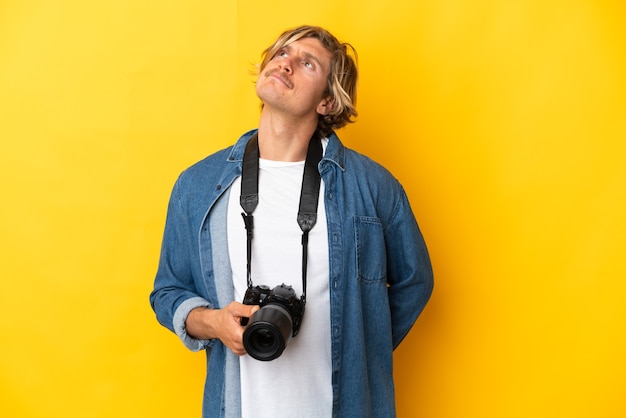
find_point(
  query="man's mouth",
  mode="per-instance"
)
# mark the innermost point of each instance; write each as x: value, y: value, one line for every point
x: 282, y: 77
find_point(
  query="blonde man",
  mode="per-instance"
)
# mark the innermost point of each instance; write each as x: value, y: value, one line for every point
x: 341, y: 233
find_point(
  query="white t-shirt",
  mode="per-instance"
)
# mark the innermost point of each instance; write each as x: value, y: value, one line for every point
x: 298, y: 383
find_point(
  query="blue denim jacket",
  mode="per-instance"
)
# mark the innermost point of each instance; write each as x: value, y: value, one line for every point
x: 380, y: 274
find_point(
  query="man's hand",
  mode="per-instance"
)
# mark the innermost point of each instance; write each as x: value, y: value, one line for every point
x: 224, y: 324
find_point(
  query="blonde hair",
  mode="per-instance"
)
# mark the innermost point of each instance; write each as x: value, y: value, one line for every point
x: 342, y: 77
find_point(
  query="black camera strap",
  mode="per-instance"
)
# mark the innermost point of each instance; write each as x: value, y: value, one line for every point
x: 309, y: 195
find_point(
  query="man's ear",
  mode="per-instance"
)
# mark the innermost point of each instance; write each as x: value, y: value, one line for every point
x: 326, y: 106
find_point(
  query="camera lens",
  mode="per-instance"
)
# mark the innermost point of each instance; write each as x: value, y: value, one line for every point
x: 264, y: 339
x: 263, y: 343
x: 268, y: 332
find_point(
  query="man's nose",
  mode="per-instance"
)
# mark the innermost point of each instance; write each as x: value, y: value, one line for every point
x: 286, y: 66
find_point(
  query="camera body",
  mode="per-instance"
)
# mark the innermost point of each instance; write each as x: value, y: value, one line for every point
x: 269, y: 330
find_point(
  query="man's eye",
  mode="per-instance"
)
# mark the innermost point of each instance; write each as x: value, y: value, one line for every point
x: 308, y: 64
x: 282, y: 54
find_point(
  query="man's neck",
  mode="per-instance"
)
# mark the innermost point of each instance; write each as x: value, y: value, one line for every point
x: 282, y: 139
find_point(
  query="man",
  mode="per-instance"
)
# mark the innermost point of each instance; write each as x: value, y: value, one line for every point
x: 368, y: 274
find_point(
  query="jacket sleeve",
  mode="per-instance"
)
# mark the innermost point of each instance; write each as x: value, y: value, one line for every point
x: 175, y: 293
x: 410, y: 276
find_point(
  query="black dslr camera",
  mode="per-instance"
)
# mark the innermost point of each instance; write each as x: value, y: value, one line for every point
x: 269, y: 330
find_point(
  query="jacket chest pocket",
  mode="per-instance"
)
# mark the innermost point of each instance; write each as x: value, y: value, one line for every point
x: 370, y: 249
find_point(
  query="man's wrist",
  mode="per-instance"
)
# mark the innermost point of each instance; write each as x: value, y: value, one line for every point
x: 199, y: 323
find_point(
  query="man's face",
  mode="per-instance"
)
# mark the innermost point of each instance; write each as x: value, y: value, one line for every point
x: 295, y: 79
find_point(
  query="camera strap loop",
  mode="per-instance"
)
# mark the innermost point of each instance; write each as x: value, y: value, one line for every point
x: 309, y: 195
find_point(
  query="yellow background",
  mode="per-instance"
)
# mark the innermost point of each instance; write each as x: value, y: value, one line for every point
x: 505, y: 121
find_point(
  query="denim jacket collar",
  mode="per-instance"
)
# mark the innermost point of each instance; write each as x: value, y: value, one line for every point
x: 335, y: 151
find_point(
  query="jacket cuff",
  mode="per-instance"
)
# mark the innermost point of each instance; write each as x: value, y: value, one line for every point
x: 180, y: 316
